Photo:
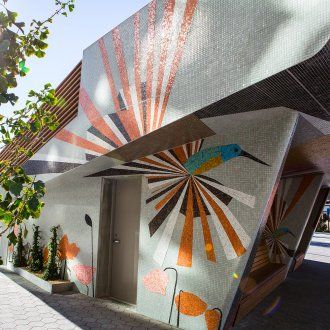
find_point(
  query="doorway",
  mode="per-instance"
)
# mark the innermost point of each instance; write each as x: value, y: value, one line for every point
x: 118, y: 248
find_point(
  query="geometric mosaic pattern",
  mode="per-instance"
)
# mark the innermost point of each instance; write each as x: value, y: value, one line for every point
x: 281, y: 208
x: 177, y: 185
x: 139, y: 105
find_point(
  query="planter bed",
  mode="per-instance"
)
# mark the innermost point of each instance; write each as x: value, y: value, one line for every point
x: 57, y: 286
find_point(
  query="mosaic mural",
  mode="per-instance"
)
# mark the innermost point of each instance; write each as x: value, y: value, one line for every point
x: 187, y: 303
x: 177, y: 184
x: 283, y: 205
x: 139, y: 106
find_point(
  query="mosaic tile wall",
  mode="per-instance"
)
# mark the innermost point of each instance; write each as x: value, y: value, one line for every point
x: 290, y: 212
x: 66, y: 203
x: 169, y: 60
x: 173, y: 58
x: 201, y: 209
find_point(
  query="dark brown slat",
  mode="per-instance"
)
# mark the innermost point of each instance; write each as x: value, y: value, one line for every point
x: 68, y: 90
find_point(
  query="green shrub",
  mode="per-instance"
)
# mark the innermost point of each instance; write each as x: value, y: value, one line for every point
x: 19, y: 254
x: 52, y: 271
x: 37, y: 259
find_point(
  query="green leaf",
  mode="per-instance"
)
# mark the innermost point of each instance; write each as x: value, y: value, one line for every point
x: 21, y: 64
x: 39, y: 53
x: 7, y: 217
x: 12, y: 238
x: 15, y: 188
x: 3, y: 84
x: 22, y: 67
x: 12, y: 15
x: 39, y: 185
x: 35, y: 126
x: 33, y: 203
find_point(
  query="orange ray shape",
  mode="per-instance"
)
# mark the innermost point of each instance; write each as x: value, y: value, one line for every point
x: 209, y: 248
x: 230, y: 232
x: 69, y: 137
x: 154, y: 162
x: 304, y: 184
x: 150, y: 58
x: 166, y: 29
x: 108, y: 72
x: 169, y: 195
x: 185, y: 26
x: 180, y: 153
x: 95, y: 117
x: 128, y: 120
x: 168, y: 159
x: 137, y: 70
x: 186, y: 245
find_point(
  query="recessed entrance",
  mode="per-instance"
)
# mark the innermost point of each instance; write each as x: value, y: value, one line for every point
x: 119, y: 239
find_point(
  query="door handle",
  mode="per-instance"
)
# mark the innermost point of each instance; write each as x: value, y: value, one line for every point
x: 116, y: 241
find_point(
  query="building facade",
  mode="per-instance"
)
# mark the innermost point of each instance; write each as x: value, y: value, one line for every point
x: 192, y: 135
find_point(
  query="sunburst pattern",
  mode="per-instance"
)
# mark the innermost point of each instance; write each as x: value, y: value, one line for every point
x: 174, y: 188
x: 275, y: 230
x: 140, y: 93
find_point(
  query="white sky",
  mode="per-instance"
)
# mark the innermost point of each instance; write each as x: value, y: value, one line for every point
x: 68, y: 37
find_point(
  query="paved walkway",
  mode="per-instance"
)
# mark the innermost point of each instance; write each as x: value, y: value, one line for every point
x: 303, y: 300
x: 319, y: 249
x: 25, y: 306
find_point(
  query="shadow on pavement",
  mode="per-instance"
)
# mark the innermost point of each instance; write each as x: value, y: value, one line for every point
x: 86, y: 312
x: 303, y: 302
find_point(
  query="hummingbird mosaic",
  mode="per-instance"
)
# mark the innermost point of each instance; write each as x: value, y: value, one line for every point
x: 178, y: 185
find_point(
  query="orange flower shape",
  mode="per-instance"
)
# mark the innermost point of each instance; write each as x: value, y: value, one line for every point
x: 11, y: 248
x: 212, y: 318
x: 45, y: 254
x: 156, y: 281
x: 67, y: 250
x: 190, y: 304
x: 84, y: 273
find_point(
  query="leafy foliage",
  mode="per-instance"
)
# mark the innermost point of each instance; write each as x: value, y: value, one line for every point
x: 22, y: 197
x: 52, y: 271
x: 19, y: 254
x: 37, y: 260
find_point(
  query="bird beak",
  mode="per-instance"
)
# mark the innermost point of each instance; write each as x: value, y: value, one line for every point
x: 246, y: 154
x: 291, y: 233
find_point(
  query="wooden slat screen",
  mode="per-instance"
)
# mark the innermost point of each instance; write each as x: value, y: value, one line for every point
x: 262, y: 258
x: 68, y: 91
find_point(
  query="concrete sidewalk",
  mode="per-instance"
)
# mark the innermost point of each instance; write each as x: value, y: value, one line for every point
x: 303, y: 300
x: 319, y: 249
x: 25, y: 306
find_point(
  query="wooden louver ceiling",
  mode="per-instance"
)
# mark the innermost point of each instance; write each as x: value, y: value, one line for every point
x: 68, y: 90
